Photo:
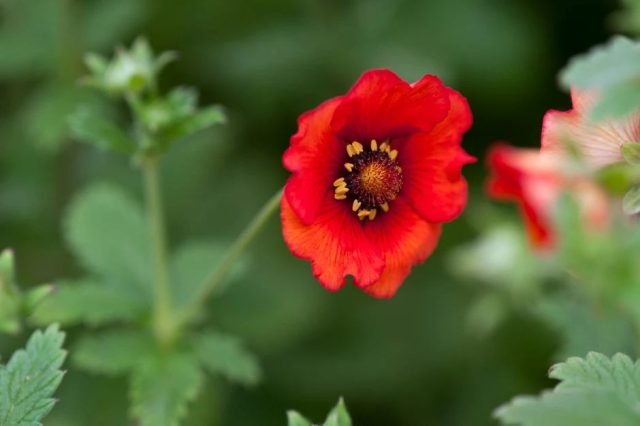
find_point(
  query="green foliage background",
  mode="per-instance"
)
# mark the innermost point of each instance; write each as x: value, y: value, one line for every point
x: 412, y: 360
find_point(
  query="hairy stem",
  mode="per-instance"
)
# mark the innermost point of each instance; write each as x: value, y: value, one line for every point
x: 163, y: 322
x: 217, y: 276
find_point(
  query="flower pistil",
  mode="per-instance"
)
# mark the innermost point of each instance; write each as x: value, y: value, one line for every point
x: 373, y: 178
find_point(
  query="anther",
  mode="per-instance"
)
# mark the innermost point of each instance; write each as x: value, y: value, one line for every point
x: 374, y: 145
x: 348, y: 166
x: 385, y: 207
x: 350, y: 151
x: 357, y: 147
x: 356, y: 205
x: 342, y: 190
x: 372, y: 214
x: 384, y: 146
x: 339, y: 182
x: 340, y: 196
x: 363, y: 213
x: 393, y: 154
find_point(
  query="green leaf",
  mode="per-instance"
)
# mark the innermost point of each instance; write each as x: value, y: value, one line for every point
x: 108, y: 233
x: 594, y: 391
x: 112, y: 352
x: 617, y: 101
x: 631, y: 201
x: 89, y: 124
x: 28, y: 381
x: 631, y: 153
x: 88, y: 302
x: 162, y: 385
x: 617, y: 178
x: 583, y: 326
x: 339, y: 416
x: 221, y: 354
x: 616, y: 62
x: 189, y: 267
x: 193, y: 123
x: 295, y: 419
x: 34, y: 296
x: 7, y: 273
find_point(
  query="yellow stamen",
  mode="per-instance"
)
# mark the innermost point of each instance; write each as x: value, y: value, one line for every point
x: 384, y: 146
x: 339, y: 182
x: 356, y: 205
x: 385, y: 207
x: 374, y: 145
x: 372, y: 214
x: 363, y: 213
x: 350, y: 150
x: 357, y: 147
x: 342, y: 190
x: 393, y: 154
x: 340, y: 196
x: 348, y: 166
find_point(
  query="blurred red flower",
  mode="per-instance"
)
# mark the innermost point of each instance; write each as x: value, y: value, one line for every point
x: 598, y: 143
x: 375, y: 173
x: 535, y: 180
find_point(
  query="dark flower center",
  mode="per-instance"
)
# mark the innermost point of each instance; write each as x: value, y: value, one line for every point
x: 373, y: 178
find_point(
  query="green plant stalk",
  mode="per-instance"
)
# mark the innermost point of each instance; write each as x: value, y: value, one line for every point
x: 217, y: 276
x: 164, y: 325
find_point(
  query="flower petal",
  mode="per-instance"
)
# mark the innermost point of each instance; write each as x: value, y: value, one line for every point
x: 405, y: 239
x: 382, y: 105
x: 335, y: 243
x: 313, y: 156
x: 598, y: 142
x: 532, y: 181
x: 432, y: 164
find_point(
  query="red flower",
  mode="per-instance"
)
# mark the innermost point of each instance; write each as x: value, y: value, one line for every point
x: 535, y: 180
x: 375, y: 173
x: 599, y: 142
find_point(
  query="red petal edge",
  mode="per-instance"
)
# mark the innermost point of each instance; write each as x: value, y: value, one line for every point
x: 432, y: 163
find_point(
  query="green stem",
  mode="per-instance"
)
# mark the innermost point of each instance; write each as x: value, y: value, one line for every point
x: 164, y: 325
x: 217, y: 276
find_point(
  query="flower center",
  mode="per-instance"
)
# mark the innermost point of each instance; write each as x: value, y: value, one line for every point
x: 373, y: 178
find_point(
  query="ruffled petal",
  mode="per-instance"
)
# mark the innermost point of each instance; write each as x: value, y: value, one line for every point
x: 335, y: 243
x: 405, y: 239
x: 598, y: 142
x: 382, y: 105
x: 313, y: 156
x: 432, y: 164
x: 531, y: 180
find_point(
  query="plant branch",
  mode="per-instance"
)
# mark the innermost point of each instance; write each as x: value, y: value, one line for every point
x: 163, y: 322
x: 217, y: 276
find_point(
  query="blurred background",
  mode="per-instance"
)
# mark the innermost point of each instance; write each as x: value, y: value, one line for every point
x: 412, y: 360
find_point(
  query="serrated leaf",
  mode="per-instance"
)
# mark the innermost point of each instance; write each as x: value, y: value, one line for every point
x: 617, y: 101
x: 224, y: 355
x: 108, y: 233
x: 28, y: 381
x: 112, y: 352
x: 88, y: 302
x: 295, y: 419
x: 90, y: 125
x: 189, y: 267
x: 162, y: 385
x: 339, y: 416
x: 594, y: 391
x: 195, y: 122
x: 631, y: 201
x: 604, y: 66
x: 631, y: 153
